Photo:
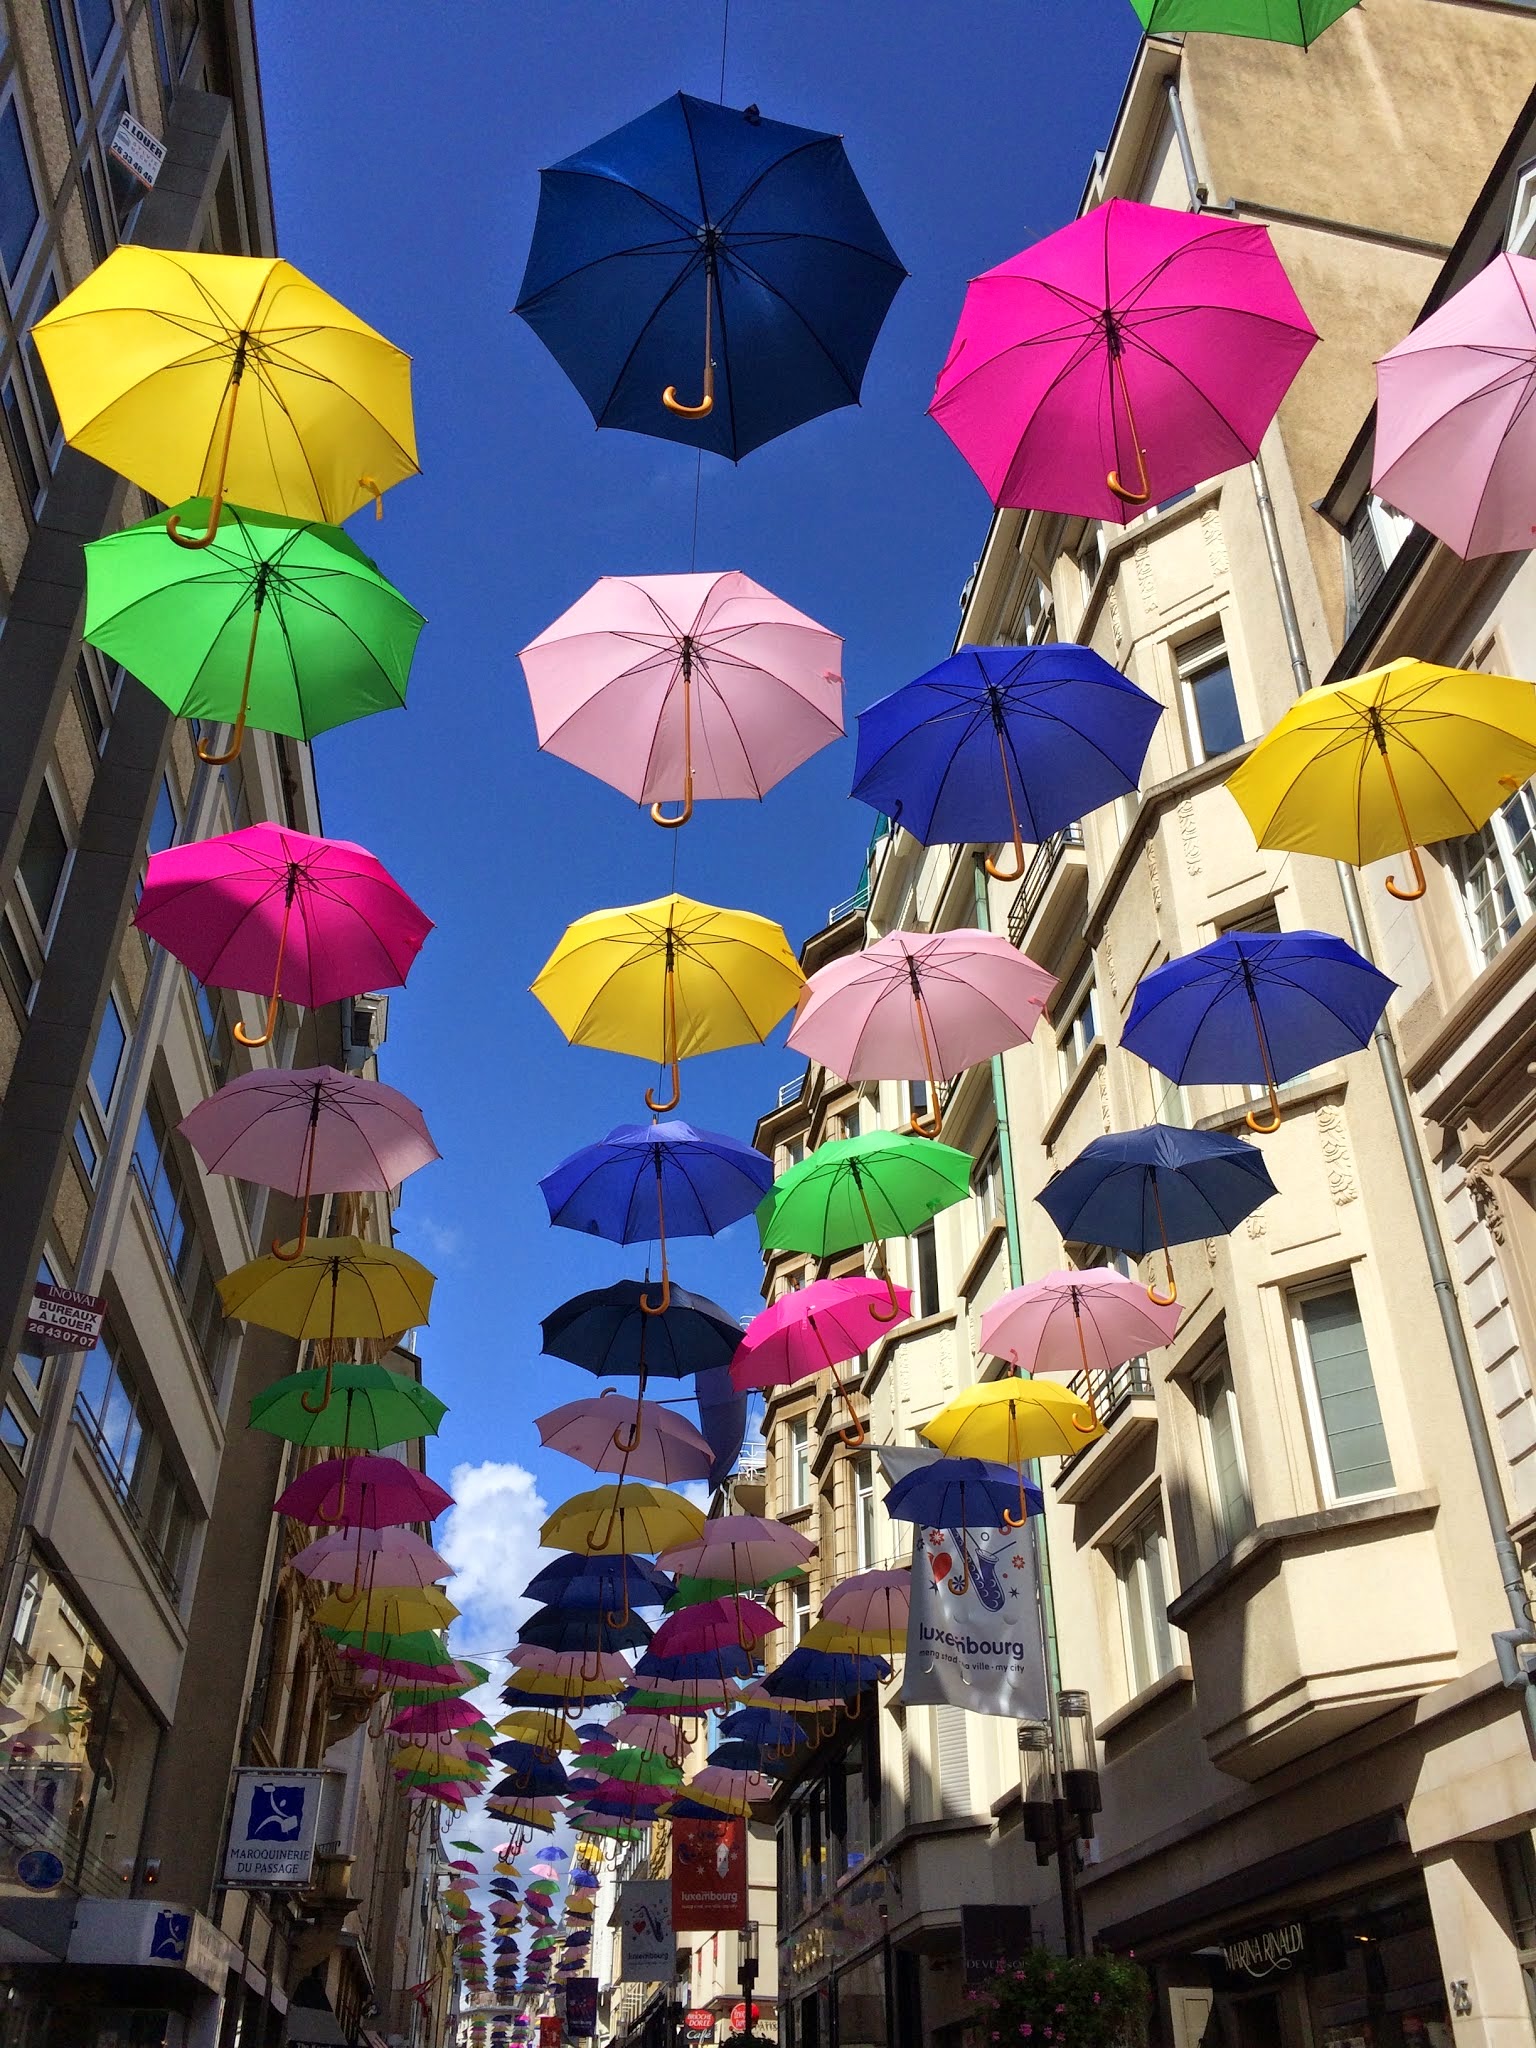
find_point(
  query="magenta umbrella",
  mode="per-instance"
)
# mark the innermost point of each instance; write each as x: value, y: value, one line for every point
x: 282, y: 914
x: 1456, y: 415
x: 713, y: 1624
x: 815, y: 1329
x: 920, y: 1005
x: 435, y: 1717
x: 1134, y: 353
x: 673, y: 688
x: 391, y: 1557
x: 367, y: 1493
x: 1076, y: 1321
x: 313, y: 1130
x: 611, y: 1433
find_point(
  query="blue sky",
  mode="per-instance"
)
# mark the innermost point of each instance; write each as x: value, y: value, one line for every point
x: 405, y: 143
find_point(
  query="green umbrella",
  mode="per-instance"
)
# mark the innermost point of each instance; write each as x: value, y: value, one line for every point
x: 638, y: 1767
x: 1272, y: 21
x: 694, y: 1592
x: 280, y: 622
x: 860, y: 1191
x: 416, y: 1646
x: 371, y: 1407
x: 457, y: 1841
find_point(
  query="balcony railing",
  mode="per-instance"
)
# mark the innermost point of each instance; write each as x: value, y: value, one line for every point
x: 1110, y: 1394
x: 791, y: 1091
x: 1036, y: 876
x: 859, y: 900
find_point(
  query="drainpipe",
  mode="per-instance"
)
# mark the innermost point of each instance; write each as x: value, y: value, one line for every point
x: 1000, y: 1111
x: 1197, y: 192
x: 1506, y: 1642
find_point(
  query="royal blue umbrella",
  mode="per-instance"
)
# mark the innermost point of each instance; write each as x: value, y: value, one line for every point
x: 729, y: 1661
x: 767, y: 1727
x: 1256, y: 1006
x: 540, y: 1777
x: 1001, y: 743
x: 545, y: 1703
x: 1157, y: 1186
x: 573, y: 1627
x: 722, y: 1417
x: 551, y: 1851
x: 703, y: 217
x: 657, y: 1180
x: 593, y: 1583
x: 608, y: 1333
x: 961, y: 1493
x: 585, y: 1880
x: 807, y: 1674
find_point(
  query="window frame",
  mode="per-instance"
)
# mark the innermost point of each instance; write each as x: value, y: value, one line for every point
x: 1213, y: 1374
x: 95, y: 1119
x: 1076, y: 998
x: 1296, y: 1299
x: 921, y: 1270
x: 988, y: 1196
x: 1195, y: 656
x: 1131, y: 1546
x: 12, y: 281
x: 798, y: 1489
x: 861, y: 1488
x: 1520, y: 236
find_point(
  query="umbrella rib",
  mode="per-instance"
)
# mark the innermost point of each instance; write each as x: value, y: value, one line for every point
x: 673, y: 289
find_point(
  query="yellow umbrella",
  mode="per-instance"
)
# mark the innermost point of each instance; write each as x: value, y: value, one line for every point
x: 1380, y: 764
x: 414, y: 1758
x: 567, y: 1685
x: 621, y: 1521
x: 1007, y: 1421
x: 832, y: 1637
x: 336, y: 1287
x: 194, y: 374
x: 394, y: 1611
x: 669, y: 979
x: 549, y: 1731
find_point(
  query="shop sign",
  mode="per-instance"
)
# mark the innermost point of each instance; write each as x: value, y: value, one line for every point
x: 137, y: 150
x: 63, y: 1319
x: 144, y: 1933
x: 739, y: 2016
x: 272, y: 1829
x: 648, y: 1953
x: 991, y: 1936
x: 1267, y: 1951
x: 549, y: 2030
x: 581, y: 2008
x: 39, y: 1870
x: 698, y: 2021
x: 709, y: 1874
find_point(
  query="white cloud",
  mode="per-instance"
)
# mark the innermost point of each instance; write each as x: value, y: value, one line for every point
x: 491, y: 1538
x: 444, y: 1242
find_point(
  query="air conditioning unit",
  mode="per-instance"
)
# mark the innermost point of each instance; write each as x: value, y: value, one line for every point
x: 364, y: 1028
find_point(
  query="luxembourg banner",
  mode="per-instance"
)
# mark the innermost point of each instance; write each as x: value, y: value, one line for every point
x: 973, y: 1635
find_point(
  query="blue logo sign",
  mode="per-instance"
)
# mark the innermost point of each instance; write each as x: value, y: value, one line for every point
x: 277, y: 1813
x: 169, y: 1937
x: 39, y: 1870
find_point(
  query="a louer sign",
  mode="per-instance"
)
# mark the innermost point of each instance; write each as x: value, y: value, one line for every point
x: 61, y: 1319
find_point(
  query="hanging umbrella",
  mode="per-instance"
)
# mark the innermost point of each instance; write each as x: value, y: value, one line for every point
x: 815, y: 1329
x: 649, y: 1731
x: 311, y: 1131
x: 548, y: 1730
x: 527, y: 1656
x: 692, y: 1697
x: 613, y: 1434
x: 336, y: 1287
x: 821, y: 1676
x: 644, y: 1180
x: 584, y: 1583
x: 393, y: 1610
x: 691, y: 1592
x: 282, y: 914
x: 741, y: 1550
x: 676, y: 688
x: 439, y: 1718
x: 609, y: 1333
x: 1008, y: 1421
x: 191, y: 373
x: 419, y: 1655
x: 641, y: 1767
x: 1137, y: 338
x: 920, y: 1006
x: 1386, y: 761
x: 1004, y: 743
x: 1157, y: 1186
x: 371, y: 1407
x: 729, y: 1789
x: 1455, y: 419
x: 391, y: 1557
x: 281, y: 622
x: 862, y: 1190
x: 583, y: 1632
x: 609, y: 1520
x: 1272, y: 21
x: 763, y: 222
x: 726, y: 1661
x: 1090, y: 1319
x: 669, y: 979
x: 715, y: 1623
x: 1256, y: 1006
x: 367, y: 1493
x: 868, y: 1601
x: 963, y: 1494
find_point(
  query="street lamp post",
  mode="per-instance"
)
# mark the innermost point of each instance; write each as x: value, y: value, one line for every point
x: 748, y: 1972
x: 1060, y: 1788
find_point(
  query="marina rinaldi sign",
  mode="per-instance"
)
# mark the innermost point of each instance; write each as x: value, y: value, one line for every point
x: 62, y: 1319
x: 1265, y: 1952
x: 272, y: 1829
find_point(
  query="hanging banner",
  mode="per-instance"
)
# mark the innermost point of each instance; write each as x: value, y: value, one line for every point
x: 648, y: 1952
x: 581, y: 2007
x: 973, y: 1634
x: 709, y: 1874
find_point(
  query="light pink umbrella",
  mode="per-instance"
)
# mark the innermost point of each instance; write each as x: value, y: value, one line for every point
x: 282, y: 914
x: 650, y: 1731
x: 1072, y: 1322
x: 312, y: 1130
x: 816, y: 1329
x: 362, y: 1492
x: 870, y: 1601
x: 612, y: 1433
x: 714, y: 1624
x: 391, y: 1557
x: 720, y: 1785
x: 564, y: 1663
x: 918, y: 1005
x: 676, y: 688
x: 743, y: 1548
x: 1136, y: 352
x: 1456, y: 415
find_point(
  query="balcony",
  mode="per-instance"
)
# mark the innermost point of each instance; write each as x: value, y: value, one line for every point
x: 1038, y: 877
x: 790, y: 1091
x: 1124, y: 1403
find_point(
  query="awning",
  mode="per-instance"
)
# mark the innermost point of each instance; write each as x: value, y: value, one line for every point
x: 312, y: 2023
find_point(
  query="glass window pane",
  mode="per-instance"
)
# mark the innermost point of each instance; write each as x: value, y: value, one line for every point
x: 97, y: 22
x: 162, y: 826
x: 18, y: 196
x: 66, y: 61
x: 43, y: 855
x: 1232, y: 1511
x: 926, y: 1273
x: 1354, y: 1439
x: 16, y: 429
x: 1216, y: 714
x: 107, y: 1059
x: 42, y: 390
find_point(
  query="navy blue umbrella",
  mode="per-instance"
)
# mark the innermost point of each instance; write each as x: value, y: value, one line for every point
x: 703, y: 222
x: 737, y: 1756
x: 593, y: 1583
x: 1256, y: 1007
x: 767, y: 1727
x: 606, y: 1331
x: 574, y: 1626
x: 1137, y: 1190
x: 729, y: 1661
x: 1004, y: 743
x: 807, y: 1674
x: 961, y: 1493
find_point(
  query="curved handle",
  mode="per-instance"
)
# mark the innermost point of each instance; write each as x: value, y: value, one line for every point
x: 1164, y: 1300
x: 855, y: 1436
x: 926, y: 1127
x: 660, y: 1108
x: 654, y: 1308
x: 319, y: 1407
x: 1143, y: 491
x: 376, y: 491
x: 702, y: 410
x: 659, y: 817
x: 1002, y: 874
x: 216, y: 496
x: 1265, y: 1124
x: 298, y: 1244
x: 243, y: 1037
x: 880, y: 1314
x: 1141, y: 497
x: 202, y: 540
x: 237, y: 734
x: 1013, y: 1521
x: 1419, y: 883
x: 627, y: 1435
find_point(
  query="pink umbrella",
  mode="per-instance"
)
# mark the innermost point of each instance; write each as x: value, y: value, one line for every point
x: 271, y: 909
x: 1135, y: 336
x: 713, y: 1624
x: 568, y: 1663
x: 1071, y: 1322
x: 719, y: 1784
x: 662, y: 1445
x: 816, y: 1329
x: 391, y: 1558
x: 434, y: 1717
x: 1456, y: 415
x: 743, y: 1548
x: 367, y: 1493
x: 673, y: 688
x: 871, y: 1601
x: 918, y: 1005
x: 462, y: 1863
x: 446, y: 1794
x: 543, y: 1870
x: 312, y: 1130
x: 649, y: 1730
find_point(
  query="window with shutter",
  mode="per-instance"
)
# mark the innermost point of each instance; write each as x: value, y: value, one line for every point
x: 954, y: 1761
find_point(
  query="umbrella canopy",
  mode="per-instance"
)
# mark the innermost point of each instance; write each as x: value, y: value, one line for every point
x: 869, y: 1602
x: 370, y: 1407
x: 283, y: 624
x: 743, y: 1550
x: 1004, y: 743
x: 727, y: 1661
x: 546, y: 1729
x: 733, y: 1788
x: 823, y: 1675
x: 330, y: 1287
x: 641, y: 1767
x: 688, y: 1696
x: 282, y: 914
x: 920, y: 1006
x: 1272, y: 21
x: 386, y: 1611
x: 362, y: 1492
x: 1376, y: 765
x: 1256, y: 1006
x: 815, y: 1329
x: 963, y: 1493
x: 582, y: 1633
x: 1157, y: 1186
x: 149, y: 358
x: 1007, y: 1421
x: 649, y: 1731
x: 677, y: 688
x: 1455, y: 423
x: 607, y: 1332
x: 590, y: 1582
x: 385, y: 1557
x: 439, y: 1717
x: 1133, y: 354
x: 668, y: 979
x: 769, y: 1727
x: 1088, y: 1319
x: 527, y: 1656
x: 610, y: 1520
x: 613, y: 1434
x: 704, y: 224
x: 713, y: 1624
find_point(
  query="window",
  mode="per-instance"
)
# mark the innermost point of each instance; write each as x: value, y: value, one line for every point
x: 987, y: 1188
x: 924, y: 1270
x: 20, y: 436
x: 32, y: 1363
x: 166, y: 821
x: 175, y: 25
x: 96, y: 22
x: 19, y: 210
x: 160, y: 1176
x: 218, y: 1041
x: 37, y: 377
x: 123, y: 187
x: 1090, y: 559
x: 1226, y: 1473
x: 863, y: 1511
x: 1498, y: 874
x: 15, y: 1434
x: 1140, y: 1572
x: 98, y: 685
x: 1371, y: 542
x: 791, y: 1153
x: 110, y: 1411
x: 66, y: 62
x: 799, y: 1611
x: 1340, y: 1393
x: 1210, y: 696
x: 1517, y: 1868
x: 799, y: 1462
x: 44, y: 859
x: 1521, y: 240
x: 1076, y: 1017
x: 917, y: 1099
x: 101, y: 1084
